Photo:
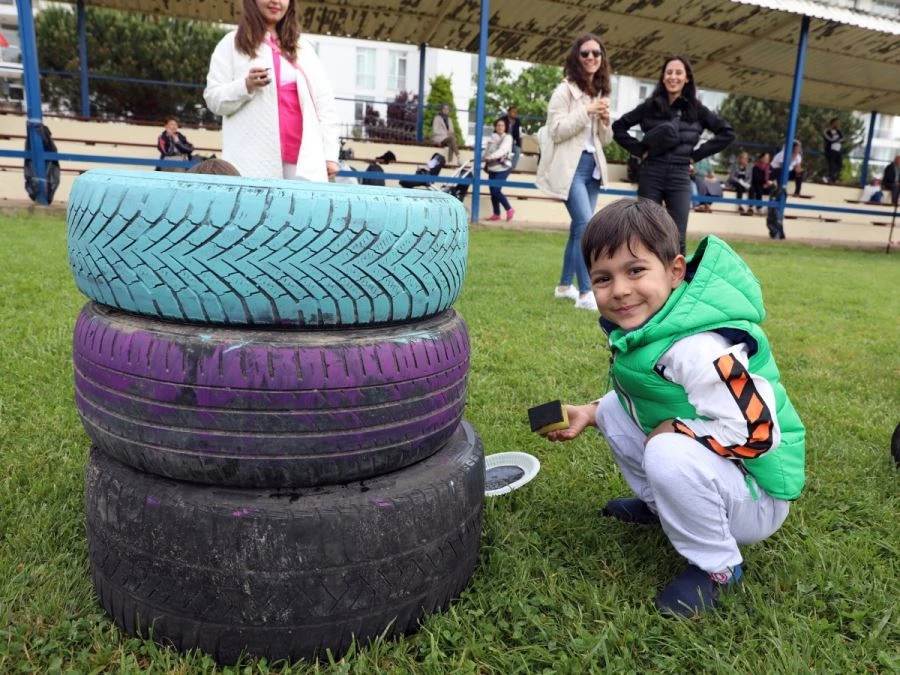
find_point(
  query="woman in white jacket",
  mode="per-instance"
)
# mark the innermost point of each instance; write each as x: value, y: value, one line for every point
x: 573, y: 165
x: 279, y: 118
x: 498, y: 164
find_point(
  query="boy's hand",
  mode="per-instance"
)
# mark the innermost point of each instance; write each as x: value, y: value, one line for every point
x: 580, y: 418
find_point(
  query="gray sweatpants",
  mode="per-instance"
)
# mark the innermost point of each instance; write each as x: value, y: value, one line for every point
x: 702, y: 499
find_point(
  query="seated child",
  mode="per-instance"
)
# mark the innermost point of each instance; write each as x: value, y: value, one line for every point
x: 871, y: 193
x: 698, y: 421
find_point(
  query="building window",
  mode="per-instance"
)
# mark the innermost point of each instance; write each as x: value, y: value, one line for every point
x: 365, y: 68
x: 397, y: 74
x: 644, y: 91
x: 359, y: 108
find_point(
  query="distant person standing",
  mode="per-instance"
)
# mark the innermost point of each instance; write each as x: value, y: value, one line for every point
x: 172, y: 143
x: 672, y: 119
x: 514, y: 129
x: 279, y: 116
x: 498, y: 164
x: 442, y: 133
x: 573, y: 166
x: 833, y: 140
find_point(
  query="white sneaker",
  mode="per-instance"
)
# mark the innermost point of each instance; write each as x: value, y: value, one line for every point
x: 571, y: 293
x: 587, y: 301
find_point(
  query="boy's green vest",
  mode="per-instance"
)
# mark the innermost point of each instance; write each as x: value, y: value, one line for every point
x: 722, y: 295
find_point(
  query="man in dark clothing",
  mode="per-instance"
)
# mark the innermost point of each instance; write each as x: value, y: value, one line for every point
x: 513, y: 127
x: 890, y: 182
x: 833, y: 138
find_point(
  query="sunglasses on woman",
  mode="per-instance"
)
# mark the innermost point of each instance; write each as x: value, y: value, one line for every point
x: 590, y: 52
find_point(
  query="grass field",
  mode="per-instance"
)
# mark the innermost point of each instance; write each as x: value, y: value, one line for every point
x: 558, y: 589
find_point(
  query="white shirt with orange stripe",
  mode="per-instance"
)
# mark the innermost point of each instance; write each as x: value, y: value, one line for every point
x: 690, y: 362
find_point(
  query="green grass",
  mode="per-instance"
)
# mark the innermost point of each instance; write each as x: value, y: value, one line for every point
x: 557, y: 589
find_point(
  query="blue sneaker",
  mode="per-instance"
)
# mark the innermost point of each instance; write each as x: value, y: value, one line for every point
x: 630, y: 510
x: 694, y: 592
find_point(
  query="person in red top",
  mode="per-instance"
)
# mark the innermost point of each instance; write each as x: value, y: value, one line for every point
x: 279, y: 116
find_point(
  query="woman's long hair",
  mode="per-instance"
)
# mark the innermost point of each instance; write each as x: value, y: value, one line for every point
x: 659, y: 99
x: 598, y: 85
x: 252, y: 30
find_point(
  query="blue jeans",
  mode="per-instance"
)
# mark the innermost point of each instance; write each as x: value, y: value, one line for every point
x: 580, y: 204
x: 497, y: 196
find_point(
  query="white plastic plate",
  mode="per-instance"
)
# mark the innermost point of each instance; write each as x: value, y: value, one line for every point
x: 508, y: 471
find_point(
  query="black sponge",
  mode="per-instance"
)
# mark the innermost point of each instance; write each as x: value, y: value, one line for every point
x: 548, y: 417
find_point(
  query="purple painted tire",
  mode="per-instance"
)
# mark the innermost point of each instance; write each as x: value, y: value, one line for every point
x: 268, y: 408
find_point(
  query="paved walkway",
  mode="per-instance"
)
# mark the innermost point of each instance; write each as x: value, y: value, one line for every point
x: 734, y: 227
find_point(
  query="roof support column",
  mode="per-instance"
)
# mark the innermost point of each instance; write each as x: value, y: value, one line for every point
x: 864, y: 172
x: 420, y: 107
x: 82, y: 61
x: 479, y: 110
x: 32, y: 80
x: 795, y: 109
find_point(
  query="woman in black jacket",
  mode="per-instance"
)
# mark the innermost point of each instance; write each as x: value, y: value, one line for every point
x: 672, y: 120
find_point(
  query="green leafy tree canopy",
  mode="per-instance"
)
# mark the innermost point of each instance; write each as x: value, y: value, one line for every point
x: 441, y: 92
x: 126, y: 44
x: 529, y: 91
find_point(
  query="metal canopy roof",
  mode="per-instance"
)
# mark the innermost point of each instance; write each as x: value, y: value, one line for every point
x: 740, y: 46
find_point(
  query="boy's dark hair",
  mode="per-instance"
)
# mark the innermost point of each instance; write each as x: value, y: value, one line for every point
x: 628, y: 220
x: 171, y: 118
x: 215, y: 167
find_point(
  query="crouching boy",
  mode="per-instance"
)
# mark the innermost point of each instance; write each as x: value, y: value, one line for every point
x: 698, y: 421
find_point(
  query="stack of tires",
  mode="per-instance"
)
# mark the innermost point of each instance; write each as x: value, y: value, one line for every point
x: 273, y: 379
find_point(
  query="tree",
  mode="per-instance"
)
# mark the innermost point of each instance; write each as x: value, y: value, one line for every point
x: 126, y: 44
x: 759, y: 122
x: 530, y: 92
x: 441, y: 92
x: 401, y: 119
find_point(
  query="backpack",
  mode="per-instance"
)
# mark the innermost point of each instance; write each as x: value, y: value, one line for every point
x: 32, y: 184
x: 373, y: 168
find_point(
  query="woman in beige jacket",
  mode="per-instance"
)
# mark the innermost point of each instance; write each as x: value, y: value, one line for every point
x: 573, y: 166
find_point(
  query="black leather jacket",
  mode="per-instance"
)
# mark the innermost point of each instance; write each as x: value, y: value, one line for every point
x: 676, y: 145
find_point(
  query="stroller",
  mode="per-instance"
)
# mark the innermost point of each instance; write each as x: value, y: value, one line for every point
x: 458, y: 190
x: 432, y: 168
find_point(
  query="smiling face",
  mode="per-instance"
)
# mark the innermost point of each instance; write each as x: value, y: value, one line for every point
x: 632, y: 284
x: 500, y: 127
x: 590, y: 57
x: 674, y: 78
x: 272, y: 11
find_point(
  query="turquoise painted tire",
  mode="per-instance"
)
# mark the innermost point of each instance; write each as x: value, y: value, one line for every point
x: 241, y: 251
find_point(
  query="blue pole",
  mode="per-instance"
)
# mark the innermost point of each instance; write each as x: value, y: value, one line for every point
x: 420, y: 108
x: 83, y: 62
x: 795, y: 109
x: 864, y: 173
x: 32, y: 80
x: 479, y: 109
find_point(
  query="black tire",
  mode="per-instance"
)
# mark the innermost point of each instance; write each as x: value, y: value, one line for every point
x: 283, y: 574
x: 268, y: 408
x: 227, y: 250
